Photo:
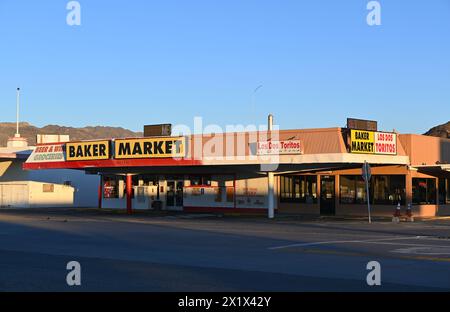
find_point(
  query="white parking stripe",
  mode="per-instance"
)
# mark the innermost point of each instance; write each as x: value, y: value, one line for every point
x: 368, y: 241
x: 429, y: 250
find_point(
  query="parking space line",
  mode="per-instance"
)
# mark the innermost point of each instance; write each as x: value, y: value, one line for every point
x: 381, y: 241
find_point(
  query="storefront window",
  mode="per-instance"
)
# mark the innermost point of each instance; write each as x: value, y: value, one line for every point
x: 352, y: 189
x: 200, y: 180
x: 111, y: 187
x: 384, y: 189
x: 447, y: 191
x: 147, y: 180
x: 442, y: 191
x: 309, y: 189
x: 424, y: 191
x: 389, y: 189
x: 301, y: 189
x: 347, y: 189
x: 285, y: 188
x: 361, y: 194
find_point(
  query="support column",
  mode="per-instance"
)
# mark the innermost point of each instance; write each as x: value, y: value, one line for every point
x: 409, y: 194
x: 270, y: 176
x: 234, y: 191
x: 129, y: 188
x: 100, y: 192
x: 271, y: 194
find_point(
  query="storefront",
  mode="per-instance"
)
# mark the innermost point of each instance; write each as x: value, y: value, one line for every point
x: 304, y: 171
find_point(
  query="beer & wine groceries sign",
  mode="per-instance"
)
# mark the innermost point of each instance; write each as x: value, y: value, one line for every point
x: 47, y: 153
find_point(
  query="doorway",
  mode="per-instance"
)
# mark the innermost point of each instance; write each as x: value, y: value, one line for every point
x: 174, y: 194
x: 327, y: 196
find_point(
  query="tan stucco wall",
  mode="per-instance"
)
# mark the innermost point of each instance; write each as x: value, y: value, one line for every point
x: 426, y: 150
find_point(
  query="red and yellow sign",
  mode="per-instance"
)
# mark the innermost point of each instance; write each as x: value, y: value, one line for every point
x: 370, y: 142
x: 385, y: 143
x: 156, y: 147
x: 93, y: 150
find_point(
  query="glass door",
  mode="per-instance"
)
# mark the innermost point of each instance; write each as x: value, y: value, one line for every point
x: 174, y: 194
x: 327, y: 195
x: 170, y: 194
x: 179, y: 194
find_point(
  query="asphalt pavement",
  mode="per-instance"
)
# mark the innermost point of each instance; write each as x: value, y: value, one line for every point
x: 202, y: 252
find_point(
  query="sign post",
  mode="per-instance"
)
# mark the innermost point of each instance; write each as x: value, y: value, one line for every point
x: 366, y: 174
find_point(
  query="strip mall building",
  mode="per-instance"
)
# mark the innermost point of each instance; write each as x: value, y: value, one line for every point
x: 304, y: 171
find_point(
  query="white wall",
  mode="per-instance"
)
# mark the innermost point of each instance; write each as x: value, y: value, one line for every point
x: 14, y: 194
x: 29, y: 194
x: 62, y: 195
x: 86, y: 186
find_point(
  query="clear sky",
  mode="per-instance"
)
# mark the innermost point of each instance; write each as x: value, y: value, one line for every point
x: 139, y: 62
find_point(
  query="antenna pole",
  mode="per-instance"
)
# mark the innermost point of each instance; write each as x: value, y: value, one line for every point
x: 17, y: 112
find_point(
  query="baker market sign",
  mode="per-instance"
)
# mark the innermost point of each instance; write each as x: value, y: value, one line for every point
x: 159, y: 147
x: 371, y: 142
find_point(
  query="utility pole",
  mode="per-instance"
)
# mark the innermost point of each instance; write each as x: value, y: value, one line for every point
x: 270, y: 178
x: 17, y: 135
x: 366, y: 173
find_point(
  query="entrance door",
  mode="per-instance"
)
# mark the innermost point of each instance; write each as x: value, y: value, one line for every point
x: 174, y: 194
x: 327, y: 195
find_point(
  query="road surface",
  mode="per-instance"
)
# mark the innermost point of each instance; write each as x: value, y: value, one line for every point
x: 198, y: 252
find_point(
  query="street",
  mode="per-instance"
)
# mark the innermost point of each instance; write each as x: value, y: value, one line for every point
x: 198, y: 252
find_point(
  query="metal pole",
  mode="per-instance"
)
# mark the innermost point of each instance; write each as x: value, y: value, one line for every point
x: 270, y: 122
x: 17, y: 112
x: 270, y: 177
x: 271, y: 197
x: 129, y: 189
x: 100, y: 192
x: 367, y: 191
x: 234, y: 191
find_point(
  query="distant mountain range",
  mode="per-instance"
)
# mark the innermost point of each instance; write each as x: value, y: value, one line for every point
x: 8, y: 129
x: 442, y: 131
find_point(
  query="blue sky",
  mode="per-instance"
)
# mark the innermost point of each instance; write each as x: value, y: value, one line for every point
x: 140, y: 62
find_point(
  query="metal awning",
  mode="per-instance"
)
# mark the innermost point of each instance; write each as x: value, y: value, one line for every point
x: 435, y: 170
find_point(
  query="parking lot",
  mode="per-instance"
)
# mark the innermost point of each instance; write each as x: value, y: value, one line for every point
x: 199, y: 252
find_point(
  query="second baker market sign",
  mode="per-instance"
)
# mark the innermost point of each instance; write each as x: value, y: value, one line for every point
x: 371, y: 142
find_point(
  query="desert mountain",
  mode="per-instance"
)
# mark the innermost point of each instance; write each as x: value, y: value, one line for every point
x: 442, y: 131
x: 7, y: 129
